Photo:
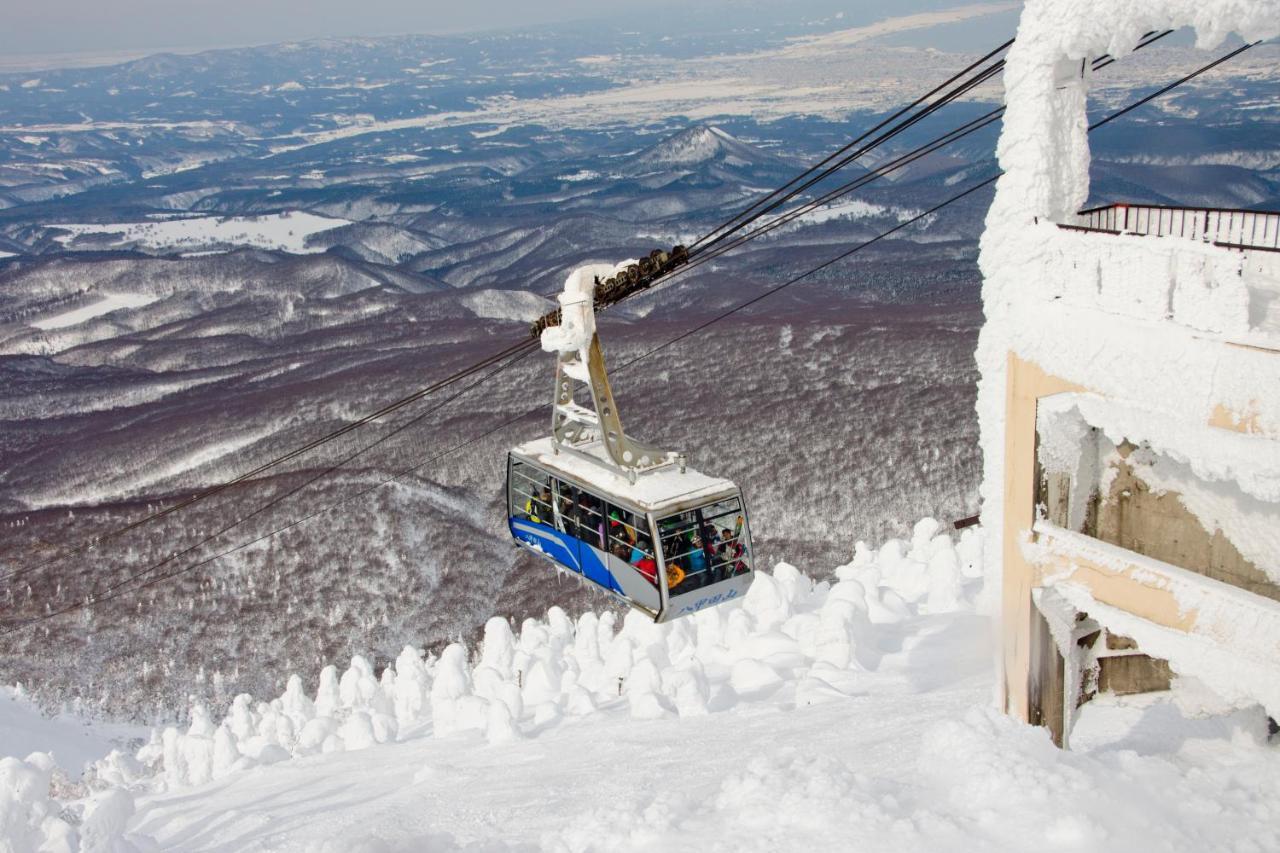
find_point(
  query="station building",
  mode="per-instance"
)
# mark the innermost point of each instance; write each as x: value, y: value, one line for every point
x: 1129, y: 405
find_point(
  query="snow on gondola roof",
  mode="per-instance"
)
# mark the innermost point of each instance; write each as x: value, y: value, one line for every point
x: 655, y: 489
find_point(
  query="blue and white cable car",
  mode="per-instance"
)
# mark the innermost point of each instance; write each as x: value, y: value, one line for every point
x: 631, y: 519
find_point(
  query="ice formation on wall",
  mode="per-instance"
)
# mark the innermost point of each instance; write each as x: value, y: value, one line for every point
x: 1027, y: 261
x: 1138, y: 319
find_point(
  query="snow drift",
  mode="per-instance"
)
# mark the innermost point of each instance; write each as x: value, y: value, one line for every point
x: 789, y: 633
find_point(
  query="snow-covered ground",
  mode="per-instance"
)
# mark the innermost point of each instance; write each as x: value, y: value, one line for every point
x: 846, y: 715
x: 913, y: 761
x: 287, y: 232
x: 108, y: 303
x: 73, y: 741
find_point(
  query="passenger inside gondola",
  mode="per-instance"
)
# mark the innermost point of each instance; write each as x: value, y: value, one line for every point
x: 568, y: 520
x: 697, y: 556
x: 539, y: 508
x: 705, y: 552
x: 588, y: 526
x: 700, y: 547
x: 645, y: 562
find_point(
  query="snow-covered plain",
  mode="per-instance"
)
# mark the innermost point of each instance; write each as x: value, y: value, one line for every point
x: 847, y: 715
x: 287, y: 232
x: 818, y: 76
x: 108, y: 303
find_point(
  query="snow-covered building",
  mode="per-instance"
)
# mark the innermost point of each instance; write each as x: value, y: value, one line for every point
x: 1130, y: 398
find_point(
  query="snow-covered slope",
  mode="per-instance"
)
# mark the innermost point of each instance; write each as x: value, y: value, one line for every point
x: 73, y: 741
x: 809, y: 716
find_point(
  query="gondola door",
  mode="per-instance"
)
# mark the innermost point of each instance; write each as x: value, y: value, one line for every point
x: 565, y: 517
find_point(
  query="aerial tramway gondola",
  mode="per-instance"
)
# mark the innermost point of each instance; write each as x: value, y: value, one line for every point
x: 634, y: 520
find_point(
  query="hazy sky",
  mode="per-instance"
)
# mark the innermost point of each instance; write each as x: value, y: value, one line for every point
x: 66, y: 26
x: 112, y: 27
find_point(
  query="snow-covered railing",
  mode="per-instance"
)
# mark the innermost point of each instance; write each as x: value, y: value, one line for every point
x: 1232, y: 229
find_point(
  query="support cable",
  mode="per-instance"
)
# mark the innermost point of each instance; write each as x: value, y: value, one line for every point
x: 773, y: 201
x: 881, y: 170
x: 849, y: 146
x: 94, y: 541
x: 853, y: 156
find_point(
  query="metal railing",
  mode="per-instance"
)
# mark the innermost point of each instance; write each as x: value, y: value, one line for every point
x: 1232, y: 229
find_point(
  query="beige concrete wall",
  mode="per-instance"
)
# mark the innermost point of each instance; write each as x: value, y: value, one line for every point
x: 1026, y: 384
x: 1127, y: 674
x: 1126, y: 587
x: 1156, y: 524
x: 1231, y: 637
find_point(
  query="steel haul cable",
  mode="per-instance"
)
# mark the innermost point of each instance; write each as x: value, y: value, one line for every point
x: 708, y: 253
x: 844, y: 156
x: 882, y: 169
x: 90, y: 543
x: 843, y: 190
x: 786, y: 191
x: 122, y: 587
